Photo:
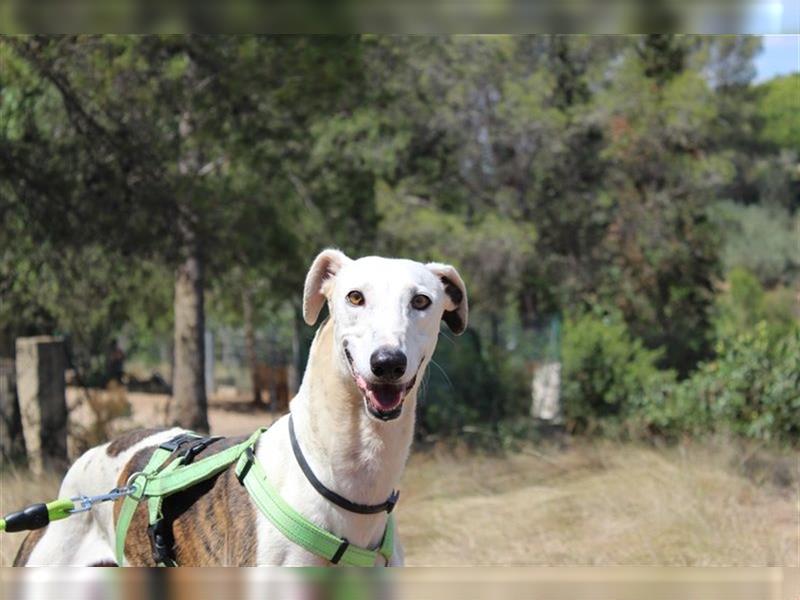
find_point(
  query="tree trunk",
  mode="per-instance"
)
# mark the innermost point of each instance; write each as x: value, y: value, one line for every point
x: 250, y: 345
x: 189, y: 404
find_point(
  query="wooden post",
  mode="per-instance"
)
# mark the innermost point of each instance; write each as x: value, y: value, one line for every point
x: 41, y: 362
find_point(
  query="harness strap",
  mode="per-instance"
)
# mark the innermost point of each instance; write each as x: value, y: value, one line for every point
x: 159, y: 479
x: 156, y: 481
x: 302, y: 531
x: 129, y: 504
x: 197, y: 445
x: 179, y: 479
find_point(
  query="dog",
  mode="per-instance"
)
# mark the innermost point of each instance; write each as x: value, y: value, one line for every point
x: 353, y: 417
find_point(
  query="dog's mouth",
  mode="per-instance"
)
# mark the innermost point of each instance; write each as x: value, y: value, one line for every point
x: 383, y: 401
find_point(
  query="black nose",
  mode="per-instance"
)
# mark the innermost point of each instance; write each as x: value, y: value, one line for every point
x: 388, y: 363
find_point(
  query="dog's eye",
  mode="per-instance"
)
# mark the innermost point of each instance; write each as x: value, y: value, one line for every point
x: 355, y: 298
x: 420, y: 302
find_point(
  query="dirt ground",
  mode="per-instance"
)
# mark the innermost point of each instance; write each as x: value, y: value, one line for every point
x: 710, y: 504
x: 229, y: 413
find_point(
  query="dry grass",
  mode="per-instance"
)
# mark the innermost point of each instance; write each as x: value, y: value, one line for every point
x: 603, y: 504
x: 591, y: 504
x: 18, y: 488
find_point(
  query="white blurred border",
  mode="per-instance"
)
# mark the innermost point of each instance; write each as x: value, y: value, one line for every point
x: 556, y: 583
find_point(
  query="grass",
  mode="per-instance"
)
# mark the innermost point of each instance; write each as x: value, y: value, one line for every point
x: 18, y: 488
x: 603, y: 504
x: 715, y: 503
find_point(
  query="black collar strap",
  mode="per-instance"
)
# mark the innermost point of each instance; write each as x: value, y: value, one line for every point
x: 364, y: 509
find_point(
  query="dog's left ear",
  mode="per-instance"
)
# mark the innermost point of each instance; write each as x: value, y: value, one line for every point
x: 322, y: 271
x: 455, y: 307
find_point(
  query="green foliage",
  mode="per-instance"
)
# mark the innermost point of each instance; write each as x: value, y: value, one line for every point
x: 606, y: 372
x: 779, y: 110
x: 556, y: 172
x: 659, y: 255
x: 745, y: 304
x: 88, y: 295
x: 761, y: 239
x: 742, y: 306
x: 466, y: 387
x: 457, y: 384
x: 123, y: 155
x: 752, y: 388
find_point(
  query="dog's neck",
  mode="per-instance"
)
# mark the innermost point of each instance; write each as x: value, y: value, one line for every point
x: 352, y: 453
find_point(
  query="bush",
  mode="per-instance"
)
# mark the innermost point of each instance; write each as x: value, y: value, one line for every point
x: 744, y: 304
x: 752, y: 388
x: 740, y: 306
x: 606, y: 372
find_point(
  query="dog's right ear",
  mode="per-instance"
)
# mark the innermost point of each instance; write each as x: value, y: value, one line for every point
x: 322, y: 271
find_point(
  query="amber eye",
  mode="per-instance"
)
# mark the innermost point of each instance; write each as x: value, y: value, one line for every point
x: 355, y: 298
x: 420, y: 302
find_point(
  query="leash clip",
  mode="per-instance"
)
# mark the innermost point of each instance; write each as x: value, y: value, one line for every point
x: 87, y: 502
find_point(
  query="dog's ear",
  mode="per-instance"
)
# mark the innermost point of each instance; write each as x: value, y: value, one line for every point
x: 322, y: 271
x: 455, y: 307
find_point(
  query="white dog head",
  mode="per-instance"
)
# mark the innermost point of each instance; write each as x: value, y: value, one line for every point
x: 386, y: 315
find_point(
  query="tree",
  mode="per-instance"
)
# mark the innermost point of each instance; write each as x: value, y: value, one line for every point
x: 162, y: 147
x: 778, y: 109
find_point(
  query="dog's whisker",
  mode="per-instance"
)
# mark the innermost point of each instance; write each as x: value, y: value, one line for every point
x: 443, y: 372
x: 447, y: 336
x: 423, y: 386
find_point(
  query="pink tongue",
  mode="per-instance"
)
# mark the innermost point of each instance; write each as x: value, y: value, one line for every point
x: 385, y: 397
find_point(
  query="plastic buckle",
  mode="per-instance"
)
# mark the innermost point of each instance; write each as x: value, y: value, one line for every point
x: 197, y: 448
x: 179, y: 440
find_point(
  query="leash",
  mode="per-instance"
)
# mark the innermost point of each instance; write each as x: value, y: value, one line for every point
x: 162, y: 477
x: 42, y: 514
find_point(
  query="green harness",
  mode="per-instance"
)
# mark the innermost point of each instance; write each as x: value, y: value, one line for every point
x: 160, y: 479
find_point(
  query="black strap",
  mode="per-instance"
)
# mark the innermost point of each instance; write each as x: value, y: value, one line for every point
x: 162, y: 542
x: 340, y: 551
x: 248, y: 453
x: 364, y: 509
x: 162, y: 538
x: 197, y: 447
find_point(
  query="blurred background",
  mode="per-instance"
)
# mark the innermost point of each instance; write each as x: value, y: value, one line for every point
x: 623, y: 209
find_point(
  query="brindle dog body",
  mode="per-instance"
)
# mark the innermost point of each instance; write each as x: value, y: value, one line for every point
x: 353, y: 417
